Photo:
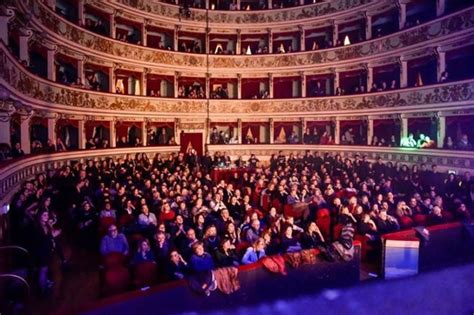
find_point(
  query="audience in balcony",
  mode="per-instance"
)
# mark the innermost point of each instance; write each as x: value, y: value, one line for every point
x: 191, y: 91
x: 96, y: 26
x: 220, y: 92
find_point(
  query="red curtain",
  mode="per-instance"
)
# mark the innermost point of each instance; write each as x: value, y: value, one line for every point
x: 385, y: 128
x: 421, y: 125
x: 90, y: 125
x: 122, y: 128
x: 62, y: 123
x: 279, y: 126
x: 283, y: 88
x: 191, y: 140
x: 458, y: 125
x: 251, y: 88
x: 251, y: 129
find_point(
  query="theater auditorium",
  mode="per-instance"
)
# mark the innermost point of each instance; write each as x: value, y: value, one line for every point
x: 236, y: 157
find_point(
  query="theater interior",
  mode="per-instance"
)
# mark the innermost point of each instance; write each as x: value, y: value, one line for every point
x: 236, y: 157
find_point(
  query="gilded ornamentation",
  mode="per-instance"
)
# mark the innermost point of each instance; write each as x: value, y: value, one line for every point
x: 245, y: 17
x: 441, y: 27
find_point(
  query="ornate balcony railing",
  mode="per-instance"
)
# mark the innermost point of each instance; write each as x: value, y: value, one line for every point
x: 160, y: 10
x: 432, y: 34
x: 50, y: 96
x: 459, y: 161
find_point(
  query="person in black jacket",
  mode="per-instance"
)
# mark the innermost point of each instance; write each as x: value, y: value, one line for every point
x: 226, y: 256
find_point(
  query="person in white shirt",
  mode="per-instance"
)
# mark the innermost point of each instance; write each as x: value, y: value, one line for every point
x: 146, y: 218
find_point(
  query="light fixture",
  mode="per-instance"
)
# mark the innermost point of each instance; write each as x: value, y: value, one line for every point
x: 249, y: 51
x: 347, y: 40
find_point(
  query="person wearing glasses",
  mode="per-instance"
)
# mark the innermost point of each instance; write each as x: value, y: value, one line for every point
x: 114, y: 242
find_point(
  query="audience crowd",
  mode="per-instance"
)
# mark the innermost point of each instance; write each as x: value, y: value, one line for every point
x: 176, y: 212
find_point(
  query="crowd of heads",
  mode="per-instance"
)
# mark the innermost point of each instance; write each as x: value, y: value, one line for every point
x: 177, y: 212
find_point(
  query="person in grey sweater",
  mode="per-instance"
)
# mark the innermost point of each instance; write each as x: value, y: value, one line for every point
x: 114, y: 242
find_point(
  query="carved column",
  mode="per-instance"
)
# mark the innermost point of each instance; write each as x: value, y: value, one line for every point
x: 112, y: 25
x: 441, y: 62
x: 303, y: 128
x: 238, y: 5
x: 51, y: 53
x: 402, y: 15
x: 25, y: 133
x: 112, y: 79
x: 302, y: 38
x: 441, y: 130
x: 239, y: 86
x: 270, y: 4
x: 207, y: 42
x: 336, y: 80
x: 176, y: 83
x: 270, y: 41
x: 176, y: 37
x: 208, y: 85
x: 80, y: 13
x: 370, y: 76
x: 238, y: 44
x: 239, y: 131
x: 370, y: 130
x: 113, y: 136
x: 335, y: 32
x: 6, y: 16
x: 145, y: 33
x: 270, y: 85
x: 5, y: 128
x: 271, y: 131
x: 207, y: 6
x: 403, y: 72
x: 303, y: 84
x: 440, y: 7
x: 80, y: 69
x: 301, y: 2
x: 337, y: 130
x: 403, y: 127
x: 368, y: 26
x: 81, y: 134
x: 52, y: 119
x: 145, y: 133
x: 25, y: 35
x: 177, y: 126
x: 144, y: 81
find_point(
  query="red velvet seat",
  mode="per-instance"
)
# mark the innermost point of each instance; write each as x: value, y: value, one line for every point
x: 323, y: 221
x: 104, y: 224
x: 420, y: 219
x: 265, y: 203
x: 406, y: 222
x: 116, y: 280
x: 336, y: 232
x: 125, y: 219
x: 448, y: 216
x: 113, y: 260
x: 145, y: 274
x: 288, y: 211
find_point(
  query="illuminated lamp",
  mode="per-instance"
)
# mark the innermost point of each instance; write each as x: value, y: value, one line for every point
x: 249, y: 51
x: 347, y: 40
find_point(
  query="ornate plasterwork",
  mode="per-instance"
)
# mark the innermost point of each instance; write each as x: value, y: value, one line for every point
x: 245, y: 17
x: 42, y: 90
x: 436, y: 29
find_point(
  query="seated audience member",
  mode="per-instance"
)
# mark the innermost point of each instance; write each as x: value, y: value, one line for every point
x: 409, y: 141
x: 254, y: 252
x: 464, y: 143
x: 108, y: 212
x: 162, y: 248
x: 226, y: 255
x: 289, y: 242
x: 114, y: 242
x: 444, y: 77
x: 201, y: 266
x: 252, y: 234
x: 177, y: 267
x: 385, y: 223
x: 312, y: 237
x: 17, y: 151
x: 448, y: 143
x: 143, y: 254
x: 147, y: 218
x: 436, y: 216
